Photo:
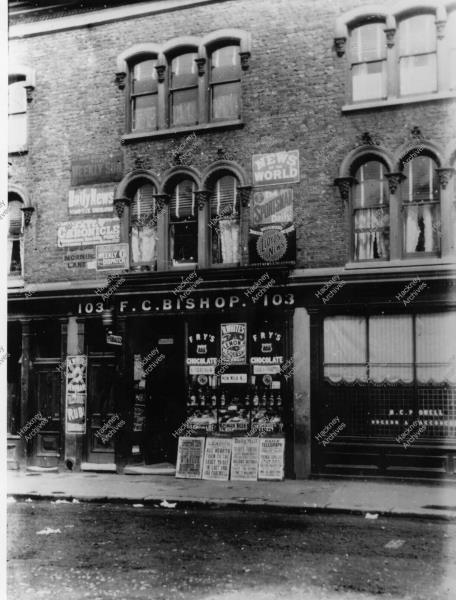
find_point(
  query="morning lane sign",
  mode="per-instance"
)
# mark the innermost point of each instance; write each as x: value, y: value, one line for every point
x: 275, y: 168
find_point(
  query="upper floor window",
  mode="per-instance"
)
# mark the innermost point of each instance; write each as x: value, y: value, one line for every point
x: 417, y: 55
x: 451, y: 37
x: 371, y: 213
x: 15, y: 234
x: 183, y: 90
x: 144, y: 96
x: 143, y: 228
x: 225, y: 83
x: 17, y: 113
x: 183, y: 224
x: 421, y: 206
x: 368, y: 62
x: 224, y: 221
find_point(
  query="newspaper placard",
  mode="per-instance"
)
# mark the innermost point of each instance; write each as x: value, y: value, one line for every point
x: 112, y: 257
x: 217, y: 458
x: 244, y: 462
x: 190, y: 452
x: 271, y: 460
x: 88, y: 232
x: 76, y: 394
x: 91, y: 200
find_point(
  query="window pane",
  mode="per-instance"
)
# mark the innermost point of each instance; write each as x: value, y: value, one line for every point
x: 421, y: 228
x: 369, y: 81
x: 143, y: 245
x: 422, y: 182
x: 368, y: 43
x: 436, y: 347
x: 143, y: 205
x: 418, y: 74
x: 345, y: 349
x: 184, y: 71
x: 371, y: 234
x: 225, y: 64
x: 144, y: 113
x: 224, y: 222
x: 183, y: 243
x: 182, y: 204
x: 417, y: 35
x: 144, y: 77
x: 17, y: 132
x: 15, y: 261
x: 15, y: 216
x: 184, y: 109
x: 391, y: 348
x: 371, y: 189
x: 225, y: 101
x: 17, y: 98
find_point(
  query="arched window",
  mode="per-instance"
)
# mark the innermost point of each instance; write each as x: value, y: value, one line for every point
x: 183, y: 224
x: 143, y: 228
x: 15, y: 234
x: 225, y: 83
x: 417, y: 55
x: 183, y: 90
x: 451, y: 37
x: 368, y: 62
x: 421, y: 206
x: 371, y: 212
x: 17, y: 113
x: 224, y: 221
x: 144, y: 96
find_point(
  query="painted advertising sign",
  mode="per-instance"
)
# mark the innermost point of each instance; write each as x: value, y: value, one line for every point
x: 96, y: 169
x: 271, y: 461
x: 275, y: 168
x: 233, y: 343
x: 76, y: 394
x: 91, y: 200
x: 202, y: 344
x: 190, y: 453
x: 112, y: 256
x: 244, y: 460
x: 217, y: 458
x: 80, y: 259
x: 233, y: 378
x: 88, y: 232
x: 267, y: 348
x: 272, y: 236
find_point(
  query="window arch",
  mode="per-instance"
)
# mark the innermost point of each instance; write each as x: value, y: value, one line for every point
x: 143, y: 228
x: 15, y: 234
x: 421, y: 206
x: 224, y: 221
x: 225, y: 82
x: 183, y: 224
x: 370, y: 212
x: 418, y: 54
x: 368, y: 62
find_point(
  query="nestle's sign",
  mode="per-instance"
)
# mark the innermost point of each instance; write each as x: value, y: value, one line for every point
x: 279, y: 167
x: 96, y: 169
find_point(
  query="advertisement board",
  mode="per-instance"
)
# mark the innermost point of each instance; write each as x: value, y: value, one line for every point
x: 76, y: 394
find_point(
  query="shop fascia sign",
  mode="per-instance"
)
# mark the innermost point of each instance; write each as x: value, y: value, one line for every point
x: 165, y: 304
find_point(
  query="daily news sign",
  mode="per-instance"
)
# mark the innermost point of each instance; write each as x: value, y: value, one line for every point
x: 276, y: 168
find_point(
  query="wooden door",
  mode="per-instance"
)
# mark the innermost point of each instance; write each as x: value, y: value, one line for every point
x: 44, y: 424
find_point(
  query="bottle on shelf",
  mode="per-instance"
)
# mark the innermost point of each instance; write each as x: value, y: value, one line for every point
x: 263, y: 400
x: 255, y: 399
x: 279, y: 401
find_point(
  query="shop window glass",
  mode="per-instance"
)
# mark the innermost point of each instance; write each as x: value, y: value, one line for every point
x: 368, y: 62
x: 371, y: 213
x: 183, y: 90
x: 225, y: 83
x: 183, y: 224
x: 224, y: 221
x: 143, y: 228
x: 345, y: 349
x: 391, y: 349
x: 421, y: 206
x: 17, y: 114
x: 417, y: 55
x: 436, y: 348
x: 144, y: 96
x: 15, y: 235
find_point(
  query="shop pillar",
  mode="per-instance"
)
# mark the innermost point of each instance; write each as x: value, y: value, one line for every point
x: 301, y: 382
x: 74, y: 442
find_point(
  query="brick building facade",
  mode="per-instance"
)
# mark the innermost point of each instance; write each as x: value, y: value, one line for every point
x: 182, y: 100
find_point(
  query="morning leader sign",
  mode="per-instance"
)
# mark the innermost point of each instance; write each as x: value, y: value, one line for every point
x: 275, y: 168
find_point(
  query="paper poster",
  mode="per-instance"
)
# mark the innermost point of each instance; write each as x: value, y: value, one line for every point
x: 91, y: 200
x: 244, y: 461
x: 274, y: 168
x: 112, y: 257
x: 271, y: 459
x: 88, y: 232
x: 233, y: 343
x: 217, y: 457
x: 190, y: 452
x: 76, y: 394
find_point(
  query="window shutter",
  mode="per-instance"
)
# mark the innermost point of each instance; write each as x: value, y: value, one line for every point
x: 143, y: 204
x: 15, y: 218
x: 224, y: 197
x: 182, y: 203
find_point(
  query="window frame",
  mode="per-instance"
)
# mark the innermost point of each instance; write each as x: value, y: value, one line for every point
x: 210, y: 85
x: 143, y: 265
x: 131, y: 95
x: 15, y: 275
x: 19, y: 78
x: 171, y: 90
x: 352, y: 63
x: 217, y: 176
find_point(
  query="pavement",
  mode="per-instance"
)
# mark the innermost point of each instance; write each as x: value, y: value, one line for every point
x: 297, y: 496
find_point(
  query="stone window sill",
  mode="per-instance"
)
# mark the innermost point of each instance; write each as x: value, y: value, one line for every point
x: 348, y: 108
x: 164, y: 133
x: 15, y: 282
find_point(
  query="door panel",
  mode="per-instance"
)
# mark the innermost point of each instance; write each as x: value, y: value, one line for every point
x: 101, y: 410
x: 45, y: 443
